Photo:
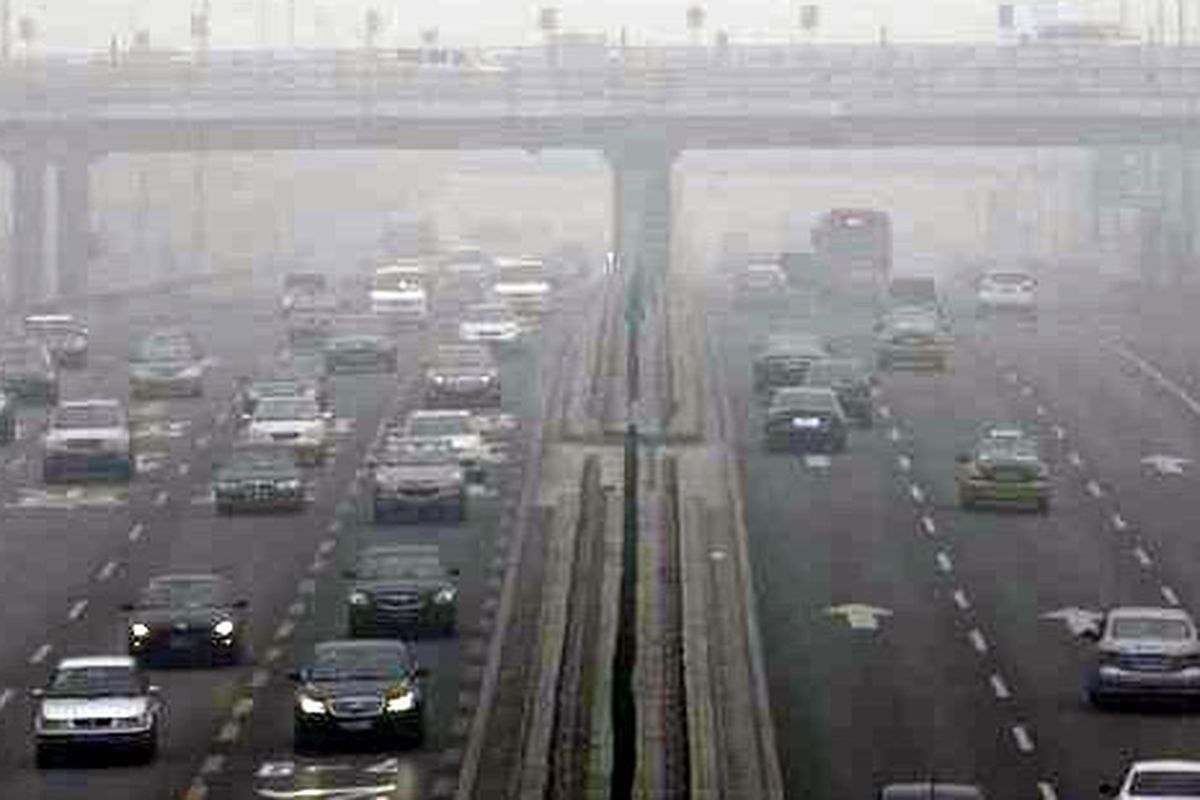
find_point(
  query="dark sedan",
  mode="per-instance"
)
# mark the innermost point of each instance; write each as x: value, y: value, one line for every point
x: 360, y: 353
x: 401, y: 590
x: 27, y: 373
x: 259, y: 479
x: 189, y: 618
x: 358, y: 690
x: 853, y: 384
x: 804, y: 419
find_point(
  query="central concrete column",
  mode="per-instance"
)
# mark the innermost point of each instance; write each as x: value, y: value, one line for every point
x: 642, y: 206
x: 73, y: 224
x: 28, y: 254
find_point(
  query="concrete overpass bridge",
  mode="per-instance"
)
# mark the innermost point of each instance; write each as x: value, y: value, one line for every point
x: 642, y: 107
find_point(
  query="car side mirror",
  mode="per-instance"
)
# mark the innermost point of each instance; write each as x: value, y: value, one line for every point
x: 1108, y: 790
x: 241, y: 604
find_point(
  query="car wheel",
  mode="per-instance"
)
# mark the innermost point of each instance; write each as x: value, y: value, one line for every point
x: 149, y: 751
x: 966, y: 501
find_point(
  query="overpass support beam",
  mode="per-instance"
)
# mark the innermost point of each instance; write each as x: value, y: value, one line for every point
x: 27, y: 261
x: 642, y: 207
x: 72, y: 224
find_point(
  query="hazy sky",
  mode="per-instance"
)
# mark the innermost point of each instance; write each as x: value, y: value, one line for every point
x: 89, y: 24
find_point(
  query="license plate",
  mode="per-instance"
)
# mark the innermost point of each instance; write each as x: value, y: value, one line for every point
x: 361, y: 725
x: 180, y: 643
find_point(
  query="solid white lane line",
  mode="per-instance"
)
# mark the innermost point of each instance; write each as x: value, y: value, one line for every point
x: 136, y: 531
x: 1046, y: 790
x: 77, y: 610
x: 6, y: 697
x: 1142, y: 557
x: 1075, y: 459
x: 961, y: 600
x: 943, y: 561
x: 917, y: 494
x: 1169, y: 595
x: 1093, y: 488
x: 160, y: 499
x: 107, y: 571
x: 40, y: 654
x: 928, y: 524
x: 999, y: 688
x: 977, y: 641
x: 1022, y: 738
x: 904, y: 462
x: 1156, y: 375
x: 1119, y: 522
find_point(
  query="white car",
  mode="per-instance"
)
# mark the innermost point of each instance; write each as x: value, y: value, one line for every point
x: 97, y: 702
x: 452, y: 428
x: 1008, y: 290
x: 403, y: 304
x: 1162, y: 780
x: 86, y: 438
x: 490, y: 323
x: 297, y: 423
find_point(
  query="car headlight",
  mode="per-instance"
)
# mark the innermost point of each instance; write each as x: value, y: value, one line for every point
x: 54, y: 724
x: 438, y: 379
x: 310, y: 705
x: 192, y: 371
x: 444, y: 595
x: 139, y: 630
x: 399, y: 703
x: 290, y: 485
x: 359, y: 598
x: 136, y: 721
x: 223, y: 628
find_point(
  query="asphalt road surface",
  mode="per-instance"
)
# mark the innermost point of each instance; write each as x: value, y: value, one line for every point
x: 906, y: 638
x: 70, y: 556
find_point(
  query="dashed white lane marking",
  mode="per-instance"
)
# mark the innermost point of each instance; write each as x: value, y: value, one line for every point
x: 1169, y: 595
x: 1156, y: 375
x: 1040, y: 410
x: 1046, y: 790
x: 904, y: 462
x: 917, y: 494
x: 1093, y: 488
x: 1142, y: 557
x: 944, y: 563
x: 136, y: 531
x: 6, y: 697
x: 1022, y: 738
x: 212, y: 764
x: 260, y: 678
x: 327, y: 546
x: 894, y: 434
x: 184, y: 469
x: 928, y: 524
x: 229, y: 732
x: 1119, y: 522
x: 272, y: 655
x: 885, y: 412
x: 977, y: 640
x: 318, y: 565
x: 1075, y: 459
x: 203, y: 440
x: 40, y: 654
x: 285, y: 629
x: 160, y: 499
x: 961, y: 600
x: 77, y: 610
x: 1060, y: 432
x: 999, y: 687
x: 106, y: 571
x: 243, y: 707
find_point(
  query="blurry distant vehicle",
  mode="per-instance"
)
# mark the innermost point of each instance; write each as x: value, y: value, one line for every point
x: 401, y: 591
x: 915, y: 291
x: 453, y: 428
x: 8, y: 419
x: 302, y: 284
x: 166, y: 363
x: 914, y: 340
x: 287, y: 383
x: 258, y: 478
x: 97, y: 703
x: 762, y: 281
x: 361, y: 353
x: 1009, y: 291
x: 785, y: 361
x: 64, y: 336
x: 805, y: 419
x: 27, y: 373
x: 193, y: 618
x: 1145, y: 653
x: 311, y: 315
x: 854, y: 246
x: 358, y: 689
x: 411, y: 479
x: 296, y: 424
x: 462, y: 376
x: 398, y: 295
x: 524, y: 286
x: 492, y: 324
x: 1004, y: 467
x: 1159, y: 779
x: 87, y: 438
x: 853, y: 384
x: 931, y: 791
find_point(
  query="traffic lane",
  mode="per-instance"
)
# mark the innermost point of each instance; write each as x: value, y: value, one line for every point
x: 1018, y: 567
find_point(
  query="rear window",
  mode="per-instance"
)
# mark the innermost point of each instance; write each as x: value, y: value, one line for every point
x: 1166, y: 784
x: 1008, y: 278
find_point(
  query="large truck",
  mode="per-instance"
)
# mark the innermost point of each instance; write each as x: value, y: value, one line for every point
x: 852, y: 249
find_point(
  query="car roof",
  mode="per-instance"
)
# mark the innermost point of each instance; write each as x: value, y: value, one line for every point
x: 1165, y: 765
x: 95, y: 402
x: 1149, y: 612
x: 85, y: 662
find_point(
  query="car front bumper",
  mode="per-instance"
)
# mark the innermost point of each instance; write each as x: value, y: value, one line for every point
x: 1004, y: 492
x: 60, y: 466
x: 1118, y: 682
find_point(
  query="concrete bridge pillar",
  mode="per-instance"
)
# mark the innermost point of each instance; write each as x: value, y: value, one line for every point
x: 642, y: 206
x: 27, y: 260
x: 72, y: 224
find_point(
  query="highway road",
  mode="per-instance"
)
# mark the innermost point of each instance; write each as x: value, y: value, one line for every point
x: 907, y: 638
x: 70, y: 557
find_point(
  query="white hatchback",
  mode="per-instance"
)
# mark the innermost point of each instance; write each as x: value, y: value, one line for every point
x: 1162, y: 780
x: 1007, y: 291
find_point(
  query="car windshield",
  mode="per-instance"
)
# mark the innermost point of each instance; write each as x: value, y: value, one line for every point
x: 421, y: 426
x: 90, y: 416
x: 1007, y: 278
x: 488, y: 314
x: 824, y: 373
x: 164, y: 349
x: 384, y: 565
x: 1165, y: 783
x: 287, y: 408
x: 1150, y: 628
x: 200, y: 592
x: 96, y: 681
x: 800, y: 400
x: 333, y: 662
